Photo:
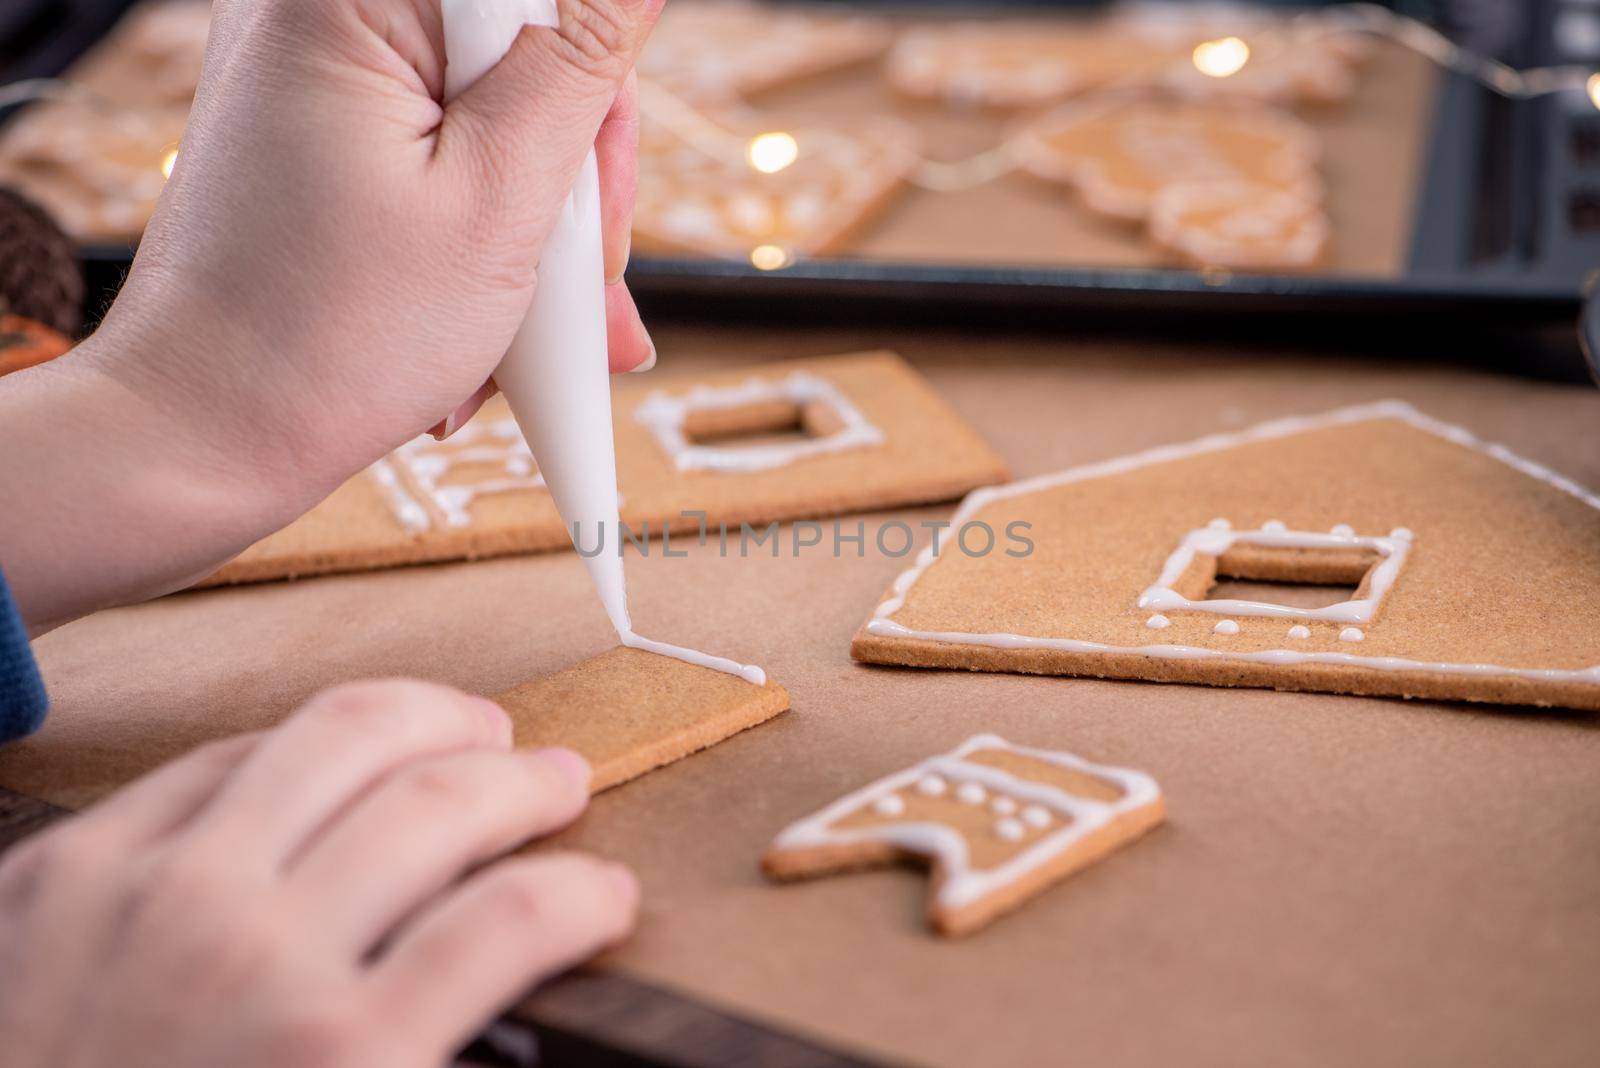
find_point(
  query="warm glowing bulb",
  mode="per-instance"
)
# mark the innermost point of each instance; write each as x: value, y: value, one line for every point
x: 770, y: 257
x: 169, y: 159
x: 1221, y: 58
x: 770, y: 153
x: 1594, y: 89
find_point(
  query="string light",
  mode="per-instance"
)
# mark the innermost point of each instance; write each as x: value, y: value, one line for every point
x: 1221, y: 58
x: 771, y: 152
x: 770, y: 258
x: 1593, y: 89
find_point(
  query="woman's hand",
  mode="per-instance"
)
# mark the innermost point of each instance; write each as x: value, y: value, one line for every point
x: 338, y: 263
x: 302, y: 897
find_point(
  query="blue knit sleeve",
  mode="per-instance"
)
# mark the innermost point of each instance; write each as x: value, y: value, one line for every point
x: 22, y: 697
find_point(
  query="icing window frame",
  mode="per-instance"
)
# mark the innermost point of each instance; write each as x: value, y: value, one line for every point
x: 667, y: 417
x: 1215, y: 540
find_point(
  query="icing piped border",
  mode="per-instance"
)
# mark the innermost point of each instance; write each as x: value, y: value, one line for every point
x: 880, y: 625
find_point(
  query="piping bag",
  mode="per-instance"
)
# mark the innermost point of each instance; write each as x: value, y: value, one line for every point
x: 555, y: 375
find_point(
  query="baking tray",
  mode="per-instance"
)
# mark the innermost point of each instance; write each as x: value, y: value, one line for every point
x: 1505, y: 230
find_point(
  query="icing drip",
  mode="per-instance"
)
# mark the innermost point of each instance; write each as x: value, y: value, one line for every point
x: 1345, y: 530
x: 889, y: 805
x: 1158, y: 622
x: 1067, y: 816
x: 1274, y: 526
x: 748, y: 672
x: 882, y: 626
x: 1002, y: 806
x: 1299, y: 631
x: 970, y: 793
x: 1352, y: 634
x: 666, y: 416
x: 1225, y: 626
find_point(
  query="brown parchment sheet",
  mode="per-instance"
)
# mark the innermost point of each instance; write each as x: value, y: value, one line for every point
x: 1374, y: 151
x: 1341, y: 881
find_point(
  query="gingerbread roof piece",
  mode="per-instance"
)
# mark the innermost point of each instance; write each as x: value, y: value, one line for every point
x: 1467, y: 571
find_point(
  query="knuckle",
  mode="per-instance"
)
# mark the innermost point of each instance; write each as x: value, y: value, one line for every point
x: 320, y: 1031
x: 518, y: 895
x: 597, y: 36
x: 362, y: 708
x: 426, y: 786
x: 69, y: 853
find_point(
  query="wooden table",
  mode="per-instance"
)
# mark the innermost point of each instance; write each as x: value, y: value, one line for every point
x: 1385, y: 977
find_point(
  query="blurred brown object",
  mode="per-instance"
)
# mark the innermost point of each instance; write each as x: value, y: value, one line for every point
x: 40, y: 278
x: 25, y: 342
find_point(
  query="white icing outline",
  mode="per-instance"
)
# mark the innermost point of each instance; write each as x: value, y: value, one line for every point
x: 666, y: 415
x: 961, y: 884
x: 425, y: 462
x: 882, y: 626
x: 1209, y: 541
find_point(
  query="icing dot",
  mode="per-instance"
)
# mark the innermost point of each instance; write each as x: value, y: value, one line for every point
x: 1298, y: 631
x: 1157, y: 622
x: 931, y: 785
x: 1274, y: 526
x: 1352, y: 634
x: 1003, y: 806
x: 970, y: 793
x: 1036, y: 816
x: 1009, y: 829
x: 1343, y: 530
x: 1220, y: 524
x: 1225, y: 626
x: 889, y: 805
x: 1403, y: 533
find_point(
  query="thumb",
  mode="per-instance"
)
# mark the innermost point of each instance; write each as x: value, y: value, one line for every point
x: 525, y: 127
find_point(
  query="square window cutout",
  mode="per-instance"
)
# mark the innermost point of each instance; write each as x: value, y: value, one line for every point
x: 756, y: 426
x: 1278, y: 573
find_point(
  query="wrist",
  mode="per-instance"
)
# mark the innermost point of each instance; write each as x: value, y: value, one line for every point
x: 112, y: 498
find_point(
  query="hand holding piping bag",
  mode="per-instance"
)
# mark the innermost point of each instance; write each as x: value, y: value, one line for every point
x: 338, y: 264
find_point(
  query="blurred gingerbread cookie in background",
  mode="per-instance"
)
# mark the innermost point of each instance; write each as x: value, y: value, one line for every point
x: 41, y: 285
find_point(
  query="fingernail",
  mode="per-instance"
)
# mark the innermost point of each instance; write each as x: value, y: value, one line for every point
x: 626, y: 883
x: 622, y: 269
x: 499, y: 723
x: 644, y: 364
x: 453, y: 422
x: 573, y: 767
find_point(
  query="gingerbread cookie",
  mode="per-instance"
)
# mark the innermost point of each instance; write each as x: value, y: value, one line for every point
x: 798, y: 439
x: 998, y: 823
x: 1240, y: 226
x: 1013, y: 64
x: 1121, y: 153
x: 764, y: 190
x: 628, y: 712
x: 1467, y: 572
x: 716, y: 50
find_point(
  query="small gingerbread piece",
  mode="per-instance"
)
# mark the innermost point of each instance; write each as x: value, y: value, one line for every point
x: 629, y: 712
x: 702, y: 191
x: 1121, y: 154
x: 1013, y: 63
x: 997, y: 822
x: 1240, y: 226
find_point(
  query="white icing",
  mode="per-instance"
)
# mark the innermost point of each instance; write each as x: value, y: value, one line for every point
x: 1225, y: 626
x: 748, y: 672
x: 1352, y: 634
x: 1345, y: 530
x: 1036, y: 816
x: 960, y: 883
x: 882, y: 626
x: 931, y: 785
x: 420, y: 467
x: 1219, y: 524
x: 1274, y: 526
x: 1009, y: 829
x: 1158, y: 622
x: 889, y: 805
x: 1299, y: 630
x: 1207, y: 542
x: 666, y: 415
x: 970, y: 793
x: 1002, y: 806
